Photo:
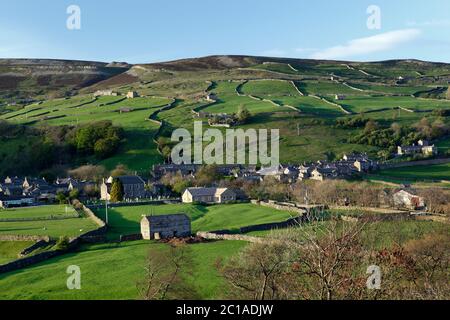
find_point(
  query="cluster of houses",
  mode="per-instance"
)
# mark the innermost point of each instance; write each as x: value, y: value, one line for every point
x: 349, y: 166
x: 19, y: 192
x: 16, y: 192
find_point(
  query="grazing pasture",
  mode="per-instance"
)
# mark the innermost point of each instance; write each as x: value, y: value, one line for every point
x: 54, y: 228
x: 112, y: 271
x: 126, y: 220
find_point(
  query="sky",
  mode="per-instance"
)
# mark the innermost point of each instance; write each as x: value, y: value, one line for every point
x: 144, y: 31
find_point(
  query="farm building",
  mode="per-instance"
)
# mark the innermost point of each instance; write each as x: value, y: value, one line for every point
x: 132, y: 94
x: 208, y: 195
x: 405, y: 199
x: 100, y: 93
x: 165, y: 226
x: 339, y: 97
x: 212, y: 97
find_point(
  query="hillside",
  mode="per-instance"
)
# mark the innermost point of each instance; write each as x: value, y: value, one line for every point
x: 320, y: 107
x: 22, y: 80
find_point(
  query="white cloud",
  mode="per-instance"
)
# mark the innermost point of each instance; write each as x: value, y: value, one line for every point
x: 363, y: 46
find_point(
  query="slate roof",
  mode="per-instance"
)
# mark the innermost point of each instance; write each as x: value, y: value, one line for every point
x: 131, y: 180
x: 200, y: 192
x: 163, y: 218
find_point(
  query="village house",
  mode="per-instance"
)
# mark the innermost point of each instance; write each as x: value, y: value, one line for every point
x: 133, y: 188
x: 165, y: 226
x: 290, y: 174
x: 184, y: 169
x: 132, y: 95
x: 100, y: 93
x: 423, y: 147
x: 321, y: 174
x: 14, y: 180
x: 212, y: 97
x: 12, y: 190
x: 208, y: 195
x: 339, y: 97
x: 15, y: 201
x: 409, y: 200
x: 304, y: 171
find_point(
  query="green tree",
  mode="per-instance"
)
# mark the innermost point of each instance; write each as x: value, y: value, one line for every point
x: 63, y: 243
x: 74, y: 194
x: 117, y: 191
x: 181, y: 185
x: 104, y: 148
x: 167, y: 153
x: 243, y: 115
x: 61, y: 197
x: 207, y: 175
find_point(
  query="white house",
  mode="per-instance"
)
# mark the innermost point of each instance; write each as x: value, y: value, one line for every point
x: 408, y: 200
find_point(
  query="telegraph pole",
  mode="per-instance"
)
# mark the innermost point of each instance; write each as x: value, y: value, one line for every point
x: 106, y: 209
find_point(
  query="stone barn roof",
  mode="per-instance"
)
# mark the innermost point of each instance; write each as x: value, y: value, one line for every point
x: 164, y: 219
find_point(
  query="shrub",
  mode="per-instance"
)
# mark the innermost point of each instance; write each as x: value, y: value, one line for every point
x: 63, y: 243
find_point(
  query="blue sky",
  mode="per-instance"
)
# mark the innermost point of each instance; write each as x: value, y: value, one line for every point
x: 140, y: 31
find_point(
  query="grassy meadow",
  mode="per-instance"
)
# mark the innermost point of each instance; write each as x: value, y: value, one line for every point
x: 126, y: 220
x: 53, y: 228
x: 9, y: 250
x: 112, y: 271
x: 418, y: 173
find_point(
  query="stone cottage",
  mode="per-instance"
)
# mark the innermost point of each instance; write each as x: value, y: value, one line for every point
x: 133, y: 187
x: 132, y: 95
x: 165, y: 226
x: 208, y: 195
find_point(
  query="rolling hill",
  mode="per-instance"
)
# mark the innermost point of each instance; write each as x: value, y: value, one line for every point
x: 302, y: 98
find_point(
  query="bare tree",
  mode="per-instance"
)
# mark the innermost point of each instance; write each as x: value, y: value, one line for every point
x: 328, y: 261
x: 258, y: 271
x: 164, y: 274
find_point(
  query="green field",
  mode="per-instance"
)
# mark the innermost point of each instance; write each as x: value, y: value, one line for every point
x: 37, y: 212
x: 53, y: 228
x: 229, y: 102
x: 126, y: 220
x: 9, y: 250
x: 111, y: 271
x: 370, y: 103
x: 418, y: 173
